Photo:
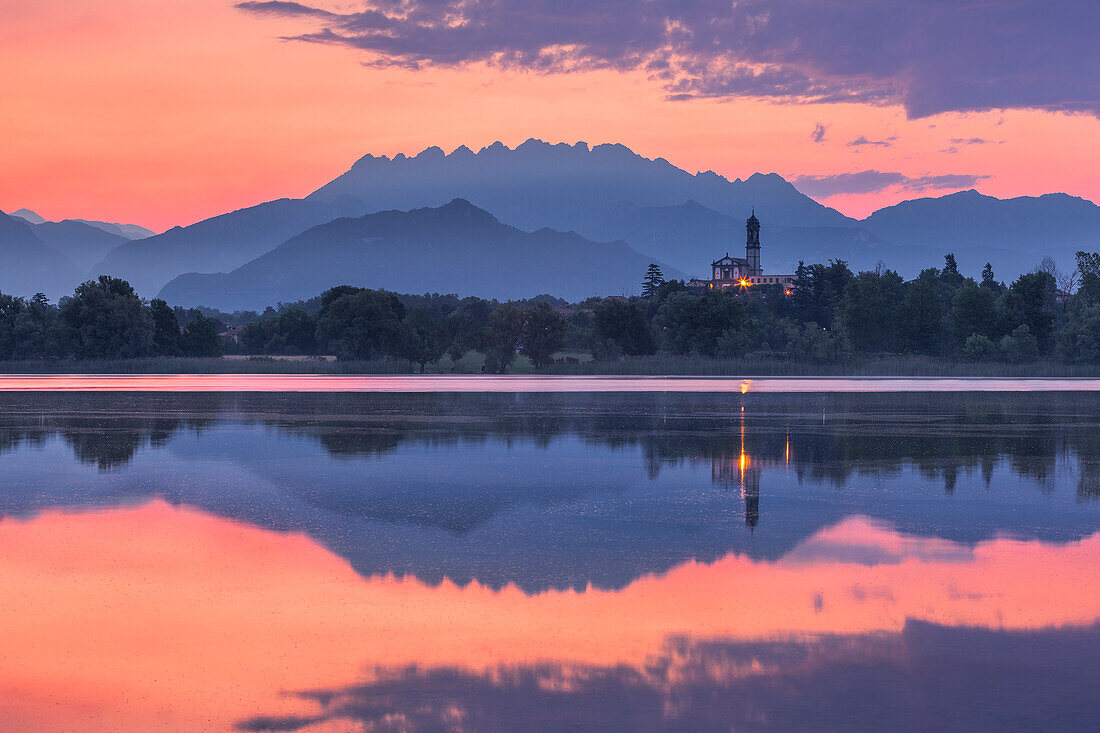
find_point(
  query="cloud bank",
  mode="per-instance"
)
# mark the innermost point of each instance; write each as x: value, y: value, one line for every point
x: 871, y: 181
x: 930, y: 56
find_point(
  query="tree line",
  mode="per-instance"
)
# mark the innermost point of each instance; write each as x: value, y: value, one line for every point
x: 829, y: 314
x: 103, y: 319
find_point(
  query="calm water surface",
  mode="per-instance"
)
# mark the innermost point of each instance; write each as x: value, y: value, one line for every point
x: 493, y: 561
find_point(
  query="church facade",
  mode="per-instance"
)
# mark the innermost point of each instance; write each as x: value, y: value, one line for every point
x: 745, y: 272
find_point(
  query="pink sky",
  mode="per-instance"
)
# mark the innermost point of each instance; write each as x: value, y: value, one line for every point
x: 163, y: 113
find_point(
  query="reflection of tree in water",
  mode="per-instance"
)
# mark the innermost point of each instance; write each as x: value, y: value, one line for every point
x: 940, y: 436
x: 926, y: 677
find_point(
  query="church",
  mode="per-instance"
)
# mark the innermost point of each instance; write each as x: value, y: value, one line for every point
x: 737, y: 272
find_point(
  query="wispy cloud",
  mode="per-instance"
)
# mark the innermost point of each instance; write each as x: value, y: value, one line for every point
x: 871, y: 181
x: 818, y: 135
x: 862, y: 141
x: 930, y: 56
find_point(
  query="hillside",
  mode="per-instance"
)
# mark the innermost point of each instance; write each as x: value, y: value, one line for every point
x: 29, y: 264
x: 82, y: 243
x: 221, y: 243
x: 455, y: 248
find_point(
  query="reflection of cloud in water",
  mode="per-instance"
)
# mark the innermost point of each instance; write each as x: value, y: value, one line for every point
x: 171, y: 611
x: 926, y: 677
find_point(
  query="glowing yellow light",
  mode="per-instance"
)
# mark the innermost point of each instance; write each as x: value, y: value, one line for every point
x: 745, y: 388
x: 745, y: 283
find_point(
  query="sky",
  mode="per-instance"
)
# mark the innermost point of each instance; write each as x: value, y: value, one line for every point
x: 163, y: 113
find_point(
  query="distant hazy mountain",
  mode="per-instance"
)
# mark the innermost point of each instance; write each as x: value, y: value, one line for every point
x: 565, y: 187
x: 456, y: 248
x: 1013, y: 234
x: 28, y: 265
x: 221, y: 243
x: 84, y: 244
x: 127, y: 231
x: 28, y: 216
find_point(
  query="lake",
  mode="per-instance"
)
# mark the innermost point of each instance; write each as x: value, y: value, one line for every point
x: 577, y: 555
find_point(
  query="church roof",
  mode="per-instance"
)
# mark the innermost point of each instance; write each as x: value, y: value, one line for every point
x: 727, y: 260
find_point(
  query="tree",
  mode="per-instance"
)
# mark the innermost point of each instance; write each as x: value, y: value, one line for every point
x: 811, y: 342
x: 653, y: 281
x: 624, y: 323
x: 989, y: 281
x: 868, y: 309
x: 1080, y: 341
x: 505, y: 335
x: 360, y: 324
x: 973, y: 311
x: 1020, y: 345
x: 200, y: 338
x: 423, y: 341
x: 920, y: 319
x: 468, y: 325
x: 1030, y: 301
x: 543, y: 334
x: 978, y: 347
x: 1088, y: 270
x: 108, y: 320
x: 819, y: 290
x: 166, y: 328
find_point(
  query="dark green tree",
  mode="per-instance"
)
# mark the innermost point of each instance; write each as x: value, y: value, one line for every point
x: 360, y: 324
x: 653, y: 281
x: 468, y: 326
x: 624, y: 323
x: 819, y: 290
x: 868, y: 309
x: 1030, y: 301
x: 505, y: 337
x: 423, y: 340
x: 920, y: 318
x: 166, y: 328
x: 108, y: 320
x: 1079, y: 343
x: 200, y: 338
x: 1088, y: 270
x: 973, y: 311
x: 989, y: 280
x: 543, y: 334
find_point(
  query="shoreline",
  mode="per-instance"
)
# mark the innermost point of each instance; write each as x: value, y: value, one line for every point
x: 535, y: 383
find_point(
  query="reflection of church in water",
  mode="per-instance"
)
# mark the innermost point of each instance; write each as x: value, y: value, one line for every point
x: 742, y: 474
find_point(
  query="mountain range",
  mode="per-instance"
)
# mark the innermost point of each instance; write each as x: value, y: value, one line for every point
x: 401, y: 251
x: 605, y: 193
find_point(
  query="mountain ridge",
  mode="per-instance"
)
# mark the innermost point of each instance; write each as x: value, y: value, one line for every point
x: 430, y: 249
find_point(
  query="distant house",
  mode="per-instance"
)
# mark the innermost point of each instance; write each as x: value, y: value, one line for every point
x: 738, y: 272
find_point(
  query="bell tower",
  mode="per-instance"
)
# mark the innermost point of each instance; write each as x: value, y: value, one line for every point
x: 752, y: 245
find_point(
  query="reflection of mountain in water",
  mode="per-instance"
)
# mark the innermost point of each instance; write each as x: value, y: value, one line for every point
x: 565, y: 490
x: 923, y: 678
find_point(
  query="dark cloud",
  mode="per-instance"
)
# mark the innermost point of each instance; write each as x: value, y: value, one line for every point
x: 870, y: 181
x: 862, y: 141
x: 925, y: 678
x: 929, y: 55
x: 818, y: 135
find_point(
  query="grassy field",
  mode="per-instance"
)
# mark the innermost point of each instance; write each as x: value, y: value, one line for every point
x: 579, y: 364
